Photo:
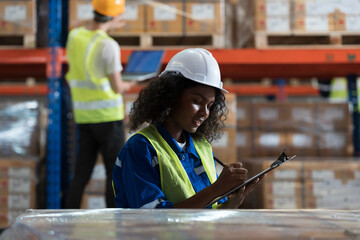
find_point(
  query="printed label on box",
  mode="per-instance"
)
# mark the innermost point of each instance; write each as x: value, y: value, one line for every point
x: 270, y: 140
x: 316, y: 23
x: 131, y: 13
x: 241, y: 139
x: 303, y: 114
x: 277, y: 7
x: 165, y: 13
x: 85, y: 11
x: 21, y: 172
x: 322, y: 174
x: 277, y: 23
x: 15, y: 13
x: 353, y: 22
x: 19, y: 185
x: 283, y: 188
x: 285, y: 174
x: 334, y: 140
x: 269, y: 114
x: 334, y: 114
x: 301, y: 140
x: 20, y: 201
x: 240, y: 113
x: 203, y: 11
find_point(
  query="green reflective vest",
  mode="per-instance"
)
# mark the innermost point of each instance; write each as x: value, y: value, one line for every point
x: 339, y: 90
x: 175, y: 182
x: 93, y: 99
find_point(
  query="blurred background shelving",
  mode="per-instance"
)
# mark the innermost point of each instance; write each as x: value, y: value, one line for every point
x: 274, y: 57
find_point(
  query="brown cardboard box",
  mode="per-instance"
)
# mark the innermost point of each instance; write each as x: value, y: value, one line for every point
x: 225, y: 147
x: 272, y: 16
x: 204, y: 17
x: 269, y: 144
x: 18, y: 17
x: 283, y: 194
x: 134, y: 17
x: 164, y: 17
x: 302, y: 143
x: 80, y: 12
x: 299, y: 116
x: 338, y: 143
x: 269, y: 116
x: 332, y: 116
x: 244, y: 114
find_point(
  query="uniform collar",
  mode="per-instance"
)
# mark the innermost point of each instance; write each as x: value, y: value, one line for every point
x: 173, y: 144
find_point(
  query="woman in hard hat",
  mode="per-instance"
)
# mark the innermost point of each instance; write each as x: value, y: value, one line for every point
x: 96, y: 87
x: 170, y: 163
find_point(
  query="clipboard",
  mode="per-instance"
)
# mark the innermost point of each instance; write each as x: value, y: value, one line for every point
x: 277, y: 163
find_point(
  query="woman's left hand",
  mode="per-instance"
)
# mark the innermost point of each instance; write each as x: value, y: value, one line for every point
x: 236, y: 199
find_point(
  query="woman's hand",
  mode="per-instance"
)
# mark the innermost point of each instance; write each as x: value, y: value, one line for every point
x: 235, y: 199
x: 231, y: 176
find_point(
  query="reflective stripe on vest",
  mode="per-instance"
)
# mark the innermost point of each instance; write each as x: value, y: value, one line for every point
x: 175, y: 182
x: 93, y: 99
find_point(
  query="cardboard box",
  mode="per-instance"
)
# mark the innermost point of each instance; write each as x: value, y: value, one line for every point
x: 244, y: 115
x: 225, y: 147
x: 299, y: 116
x: 333, y: 116
x: 302, y: 143
x: 268, y: 143
x: 17, y: 17
x: 231, y: 103
x: 269, y: 116
x: 272, y: 15
x: 244, y: 144
x: 204, y: 17
x: 93, y: 201
x: 337, y: 143
x: 134, y: 17
x: 80, y: 12
x: 165, y: 17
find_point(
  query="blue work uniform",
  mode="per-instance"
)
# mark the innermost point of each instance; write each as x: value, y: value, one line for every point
x: 136, y: 174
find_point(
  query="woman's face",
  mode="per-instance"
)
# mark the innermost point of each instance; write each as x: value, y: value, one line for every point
x: 193, y: 107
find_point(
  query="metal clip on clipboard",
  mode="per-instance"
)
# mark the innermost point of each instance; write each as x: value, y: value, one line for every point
x: 279, y: 161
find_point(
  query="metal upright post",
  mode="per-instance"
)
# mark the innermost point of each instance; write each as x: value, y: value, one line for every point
x: 54, y: 76
x: 354, y: 105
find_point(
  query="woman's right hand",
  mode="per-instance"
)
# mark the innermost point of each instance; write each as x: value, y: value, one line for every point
x: 231, y: 176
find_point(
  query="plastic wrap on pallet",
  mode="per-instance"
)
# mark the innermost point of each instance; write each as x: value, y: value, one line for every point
x: 184, y: 224
x: 19, y: 128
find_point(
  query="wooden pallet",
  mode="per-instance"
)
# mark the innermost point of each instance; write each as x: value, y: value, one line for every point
x: 170, y: 40
x: 18, y: 41
x: 306, y: 40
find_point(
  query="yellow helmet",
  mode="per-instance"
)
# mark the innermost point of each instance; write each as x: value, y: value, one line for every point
x: 110, y: 8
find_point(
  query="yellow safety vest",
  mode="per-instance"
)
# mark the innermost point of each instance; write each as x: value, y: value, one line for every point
x: 175, y: 182
x: 93, y: 99
x: 339, y: 90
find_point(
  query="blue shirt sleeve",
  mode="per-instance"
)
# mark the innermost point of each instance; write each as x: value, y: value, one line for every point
x: 136, y: 179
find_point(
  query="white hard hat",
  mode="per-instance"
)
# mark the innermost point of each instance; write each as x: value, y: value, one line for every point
x: 196, y: 64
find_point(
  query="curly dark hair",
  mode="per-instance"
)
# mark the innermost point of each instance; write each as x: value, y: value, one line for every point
x: 157, y: 100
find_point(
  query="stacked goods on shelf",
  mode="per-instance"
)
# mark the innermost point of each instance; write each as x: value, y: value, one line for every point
x: 309, y: 129
x: 18, y: 23
x: 162, y: 23
x: 94, y: 193
x: 225, y: 147
x: 299, y: 22
x: 18, y: 188
x: 330, y: 183
x: 21, y: 147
